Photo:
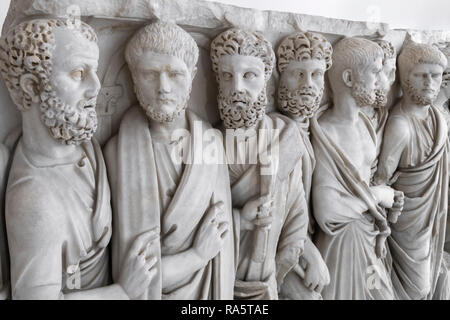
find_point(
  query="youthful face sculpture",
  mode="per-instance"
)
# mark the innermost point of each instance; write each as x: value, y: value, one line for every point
x: 424, y: 82
x: 69, y: 98
x: 301, y: 87
x: 163, y: 85
x: 242, y: 94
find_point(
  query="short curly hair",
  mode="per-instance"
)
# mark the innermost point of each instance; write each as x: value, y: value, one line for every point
x: 303, y: 46
x: 164, y: 38
x: 388, y: 49
x: 27, y: 49
x: 246, y: 43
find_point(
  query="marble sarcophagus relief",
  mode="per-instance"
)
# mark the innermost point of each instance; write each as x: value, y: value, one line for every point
x: 171, y: 149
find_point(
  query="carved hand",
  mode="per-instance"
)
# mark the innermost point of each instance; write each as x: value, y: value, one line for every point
x: 138, y: 267
x: 397, y: 207
x: 317, y: 275
x: 250, y: 213
x: 384, y: 195
x: 212, y: 233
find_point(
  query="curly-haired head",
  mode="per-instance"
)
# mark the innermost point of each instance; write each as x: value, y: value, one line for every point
x: 27, y: 49
x: 244, y: 43
x: 388, y: 49
x: 163, y: 38
x: 303, y: 46
x: 417, y: 53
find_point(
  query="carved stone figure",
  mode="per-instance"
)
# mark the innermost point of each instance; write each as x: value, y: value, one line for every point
x: 378, y: 112
x: 349, y: 212
x: 303, y: 59
x: 442, y: 103
x: 266, y: 174
x: 58, y: 213
x: 187, y: 199
x: 414, y: 159
x: 442, y: 100
x: 4, y: 263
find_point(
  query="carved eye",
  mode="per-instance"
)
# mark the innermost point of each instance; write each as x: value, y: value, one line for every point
x: 77, y: 74
x: 227, y: 76
x: 317, y: 74
x: 151, y: 75
x: 436, y: 75
x: 249, y: 75
x: 175, y: 74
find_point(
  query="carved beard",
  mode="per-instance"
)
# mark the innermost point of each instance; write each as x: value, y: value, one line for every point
x: 417, y: 97
x: 161, y: 116
x: 67, y: 124
x: 362, y: 96
x: 380, y: 98
x: 291, y: 102
x: 239, y: 111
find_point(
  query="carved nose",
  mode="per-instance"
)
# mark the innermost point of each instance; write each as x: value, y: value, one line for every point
x: 238, y: 85
x: 164, y: 86
x: 94, y: 86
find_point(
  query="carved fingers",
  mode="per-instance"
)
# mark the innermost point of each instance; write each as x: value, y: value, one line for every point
x: 212, y: 233
x: 256, y: 213
x: 138, y: 268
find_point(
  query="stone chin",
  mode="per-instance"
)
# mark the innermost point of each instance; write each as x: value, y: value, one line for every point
x: 418, y: 97
x: 66, y: 124
x: 163, y: 116
x: 239, y: 111
x: 362, y: 95
x: 299, y: 103
x: 157, y: 113
x: 380, y: 98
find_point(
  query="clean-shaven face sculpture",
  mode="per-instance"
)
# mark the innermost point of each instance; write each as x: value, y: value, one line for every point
x: 56, y: 60
x: 243, y: 62
x: 303, y: 59
x: 421, y: 67
x: 357, y: 63
x: 162, y: 58
x: 387, y: 74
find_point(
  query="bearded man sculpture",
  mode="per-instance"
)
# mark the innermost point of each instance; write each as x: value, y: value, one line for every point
x: 353, y: 225
x: 58, y: 212
x: 188, y: 201
x: 414, y: 159
x: 303, y: 59
x: 267, y: 193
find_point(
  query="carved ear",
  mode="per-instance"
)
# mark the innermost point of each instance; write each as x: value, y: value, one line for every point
x: 347, y: 77
x: 29, y: 84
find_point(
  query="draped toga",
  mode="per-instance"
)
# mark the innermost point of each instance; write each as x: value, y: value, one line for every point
x: 415, y: 162
x: 285, y: 239
x: 348, y: 231
x: 150, y: 190
x: 58, y: 220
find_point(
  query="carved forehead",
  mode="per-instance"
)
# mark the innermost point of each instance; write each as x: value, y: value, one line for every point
x: 159, y: 62
x: 308, y: 64
x: 237, y: 63
x: 72, y: 45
